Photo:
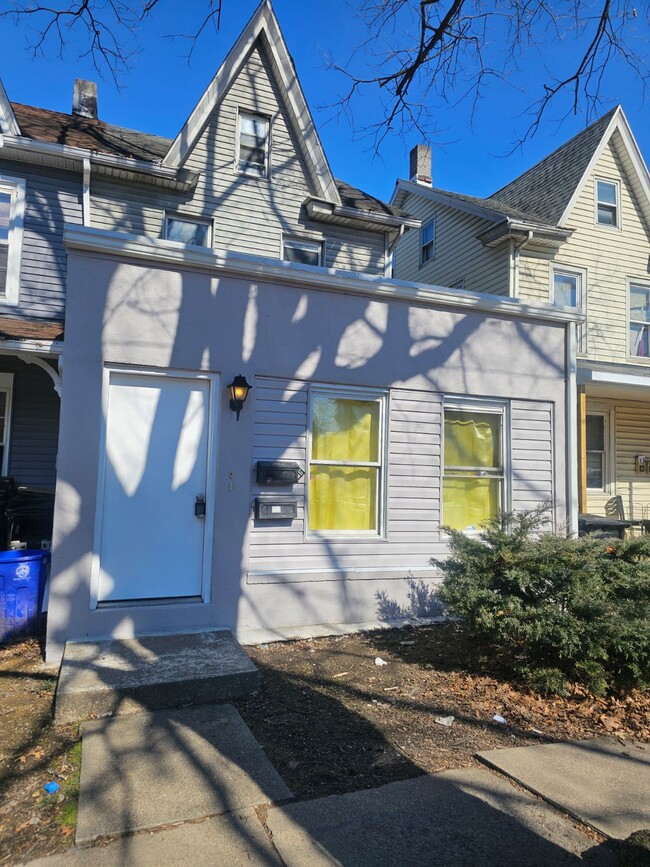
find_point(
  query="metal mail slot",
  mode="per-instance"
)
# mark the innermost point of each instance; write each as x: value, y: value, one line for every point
x: 276, y: 508
x: 278, y: 473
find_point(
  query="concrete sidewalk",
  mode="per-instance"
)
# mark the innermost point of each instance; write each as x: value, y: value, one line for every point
x: 193, y: 787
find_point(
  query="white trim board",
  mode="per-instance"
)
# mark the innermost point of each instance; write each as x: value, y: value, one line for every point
x: 8, y: 122
x: 154, y: 250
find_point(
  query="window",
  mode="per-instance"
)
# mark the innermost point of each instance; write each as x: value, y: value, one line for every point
x: 427, y: 242
x: 346, y: 460
x: 639, y: 321
x: 302, y: 252
x: 607, y: 203
x: 596, y: 451
x: 188, y: 231
x: 474, y: 474
x: 253, y: 147
x: 568, y: 291
x: 12, y: 207
x: 6, y: 388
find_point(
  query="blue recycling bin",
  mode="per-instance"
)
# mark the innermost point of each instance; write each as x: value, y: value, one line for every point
x: 22, y: 582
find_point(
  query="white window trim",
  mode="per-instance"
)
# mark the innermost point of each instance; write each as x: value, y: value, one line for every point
x: 581, y: 328
x: 609, y: 456
x: 17, y: 187
x: 7, y: 386
x: 642, y: 284
x: 423, y: 261
x: 352, y: 393
x: 497, y: 407
x: 267, y: 151
x: 307, y: 243
x: 189, y: 218
x: 617, y: 184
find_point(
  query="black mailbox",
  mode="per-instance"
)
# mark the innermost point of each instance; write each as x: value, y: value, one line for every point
x: 276, y: 508
x: 278, y: 473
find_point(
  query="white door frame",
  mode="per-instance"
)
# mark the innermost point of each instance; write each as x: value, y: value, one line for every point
x: 210, y: 485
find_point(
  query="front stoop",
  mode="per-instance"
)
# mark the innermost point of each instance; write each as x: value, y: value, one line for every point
x: 103, y: 678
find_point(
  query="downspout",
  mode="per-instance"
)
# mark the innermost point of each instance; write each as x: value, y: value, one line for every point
x: 85, y: 193
x: 517, y: 248
x: 388, y: 251
x: 571, y: 431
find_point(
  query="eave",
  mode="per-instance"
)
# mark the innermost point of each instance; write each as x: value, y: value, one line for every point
x: 343, y: 215
x: 518, y: 230
x: 69, y: 158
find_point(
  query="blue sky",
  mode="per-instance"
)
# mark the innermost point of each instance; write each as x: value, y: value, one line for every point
x: 162, y: 88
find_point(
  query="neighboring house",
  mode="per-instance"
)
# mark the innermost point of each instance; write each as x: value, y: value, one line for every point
x: 571, y: 231
x: 232, y: 250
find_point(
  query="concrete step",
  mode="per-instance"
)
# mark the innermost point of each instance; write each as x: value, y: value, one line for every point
x: 104, y: 678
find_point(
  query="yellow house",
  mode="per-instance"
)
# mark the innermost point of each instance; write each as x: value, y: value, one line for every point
x: 571, y: 231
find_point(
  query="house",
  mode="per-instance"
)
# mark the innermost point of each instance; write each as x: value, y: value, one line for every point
x: 231, y: 257
x: 572, y: 231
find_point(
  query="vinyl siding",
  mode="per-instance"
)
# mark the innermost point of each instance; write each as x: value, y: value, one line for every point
x: 459, y: 256
x: 413, y: 483
x: 412, y: 489
x: 249, y: 214
x: 52, y: 198
x: 629, y: 435
x: 531, y: 435
x: 610, y: 257
x: 34, y: 424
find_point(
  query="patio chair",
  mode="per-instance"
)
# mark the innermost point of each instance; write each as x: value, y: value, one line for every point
x: 614, y: 509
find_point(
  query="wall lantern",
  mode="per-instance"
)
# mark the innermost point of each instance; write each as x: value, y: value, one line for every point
x: 239, y: 389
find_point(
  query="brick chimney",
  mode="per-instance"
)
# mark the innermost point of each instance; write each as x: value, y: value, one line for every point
x: 420, y: 165
x: 84, y: 99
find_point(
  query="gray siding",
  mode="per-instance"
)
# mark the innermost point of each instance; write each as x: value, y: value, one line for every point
x: 459, y: 256
x: 34, y: 424
x: 412, y: 494
x: 249, y: 214
x: 52, y: 199
x: 532, y: 462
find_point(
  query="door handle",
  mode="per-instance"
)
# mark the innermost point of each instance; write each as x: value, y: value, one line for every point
x: 199, y: 506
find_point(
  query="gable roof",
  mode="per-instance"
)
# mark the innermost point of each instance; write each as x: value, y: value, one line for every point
x: 546, y: 189
x: 263, y: 28
x: 8, y: 124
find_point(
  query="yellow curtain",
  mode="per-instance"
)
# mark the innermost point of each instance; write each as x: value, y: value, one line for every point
x: 469, y: 501
x: 344, y: 498
x: 345, y: 430
x: 472, y: 441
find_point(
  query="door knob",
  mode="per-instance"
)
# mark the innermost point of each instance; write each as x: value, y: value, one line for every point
x: 199, y: 506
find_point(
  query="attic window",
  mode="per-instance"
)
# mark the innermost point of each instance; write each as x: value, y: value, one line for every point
x: 253, y: 145
x: 607, y: 203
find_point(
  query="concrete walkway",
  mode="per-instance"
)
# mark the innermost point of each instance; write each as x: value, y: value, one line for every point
x: 193, y: 787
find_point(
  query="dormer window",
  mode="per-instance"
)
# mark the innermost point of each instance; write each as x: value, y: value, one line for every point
x: 186, y: 230
x: 253, y: 145
x: 607, y: 203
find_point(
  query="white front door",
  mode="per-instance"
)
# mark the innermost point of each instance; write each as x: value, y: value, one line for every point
x: 152, y: 543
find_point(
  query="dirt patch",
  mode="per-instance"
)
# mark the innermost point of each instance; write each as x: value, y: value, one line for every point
x: 331, y: 720
x: 34, y: 752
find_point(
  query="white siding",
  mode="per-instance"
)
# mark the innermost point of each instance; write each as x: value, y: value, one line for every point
x: 413, y: 487
x: 459, y: 256
x: 531, y: 425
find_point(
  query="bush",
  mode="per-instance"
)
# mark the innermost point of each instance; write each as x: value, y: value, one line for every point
x: 552, y: 610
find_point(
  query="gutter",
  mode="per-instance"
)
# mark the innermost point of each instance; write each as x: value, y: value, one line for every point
x: 320, y: 209
x: 182, y: 177
x: 171, y: 253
